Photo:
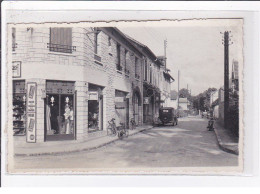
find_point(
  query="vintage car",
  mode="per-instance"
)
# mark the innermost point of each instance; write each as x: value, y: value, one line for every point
x: 167, y: 115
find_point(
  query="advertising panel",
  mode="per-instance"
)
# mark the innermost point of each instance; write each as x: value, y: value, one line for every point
x: 31, y: 112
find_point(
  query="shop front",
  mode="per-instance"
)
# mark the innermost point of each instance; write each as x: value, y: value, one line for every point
x: 95, y: 108
x: 148, y: 104
x: 60, y: 111
x: 122, y: 108
x: 137, y: 105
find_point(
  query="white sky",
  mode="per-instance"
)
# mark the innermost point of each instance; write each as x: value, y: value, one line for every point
x: 194, y: 48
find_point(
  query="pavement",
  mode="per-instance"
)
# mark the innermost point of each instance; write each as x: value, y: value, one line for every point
x: 226, y: 140
x: 189, y: 144
x: 93, y: 141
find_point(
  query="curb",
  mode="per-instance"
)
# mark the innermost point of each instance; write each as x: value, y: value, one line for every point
x: 81, y: 149
x: 222, y: 146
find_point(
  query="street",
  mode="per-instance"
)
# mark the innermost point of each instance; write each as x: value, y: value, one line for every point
x: 188, y: 144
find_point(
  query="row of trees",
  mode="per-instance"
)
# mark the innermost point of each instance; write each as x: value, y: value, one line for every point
x: 200, y: 101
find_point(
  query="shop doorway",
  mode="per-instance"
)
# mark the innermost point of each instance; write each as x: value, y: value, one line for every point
x: 60, y: 111
x: 136, y: 106
x: 121, y: 108
x: 95, y: 108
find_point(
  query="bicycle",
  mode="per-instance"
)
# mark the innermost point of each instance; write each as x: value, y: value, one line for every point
x: 122, y: 131
x: 111, y: 129
x: 133, y: 124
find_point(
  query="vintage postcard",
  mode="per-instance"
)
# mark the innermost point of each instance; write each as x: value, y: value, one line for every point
x: 136, y: 97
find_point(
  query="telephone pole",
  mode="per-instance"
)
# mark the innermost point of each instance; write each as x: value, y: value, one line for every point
x: 165, y: 46
x: 178, y: 90
x: 226, y: 44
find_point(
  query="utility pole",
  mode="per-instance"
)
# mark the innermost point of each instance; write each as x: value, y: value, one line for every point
x: 165, y: 46
x: 226, y: 44
x: 178, y: 90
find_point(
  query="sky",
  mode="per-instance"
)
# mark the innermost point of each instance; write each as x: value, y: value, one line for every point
x: 194, y: 48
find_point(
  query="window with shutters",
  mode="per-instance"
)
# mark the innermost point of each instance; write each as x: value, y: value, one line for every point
x: 61, y: 40
x: 118, y: 53
x: 14, y: 44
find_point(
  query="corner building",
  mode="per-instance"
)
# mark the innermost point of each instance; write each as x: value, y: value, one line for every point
x: 69, y: 82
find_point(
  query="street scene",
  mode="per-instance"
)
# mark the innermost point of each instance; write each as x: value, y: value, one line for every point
x: 152, y: 95
x: 187, y: 145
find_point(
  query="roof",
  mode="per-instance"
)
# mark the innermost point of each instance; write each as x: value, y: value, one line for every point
x: 183, y: 100
x: 173, y: 95
x: 145, y: 48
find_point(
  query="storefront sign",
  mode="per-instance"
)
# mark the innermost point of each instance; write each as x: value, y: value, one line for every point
x: 16, y: 69
x: 146, y: 100
x: 31, y: 112
x: 93, y: 96
x: 119, y: 99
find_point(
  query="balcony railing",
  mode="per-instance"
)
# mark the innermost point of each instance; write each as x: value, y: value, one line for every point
x: 61, y: 48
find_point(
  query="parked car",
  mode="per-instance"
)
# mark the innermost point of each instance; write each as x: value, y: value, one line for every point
x: 167, y: 115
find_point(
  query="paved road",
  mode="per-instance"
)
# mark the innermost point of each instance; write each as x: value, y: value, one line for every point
x: 187, y: 145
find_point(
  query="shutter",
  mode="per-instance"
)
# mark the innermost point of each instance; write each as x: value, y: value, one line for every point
x: 13, y: 37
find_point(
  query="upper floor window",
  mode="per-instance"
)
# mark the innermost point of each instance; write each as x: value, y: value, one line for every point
x: 97, y: 42
x: 151, y: 73
x: 136, y: 68
x: 61, y: 40
x: 125, y: 57
x: 109, y: 41
x: 118, y: 53
x: 145, y: 70
x: 14, y: 44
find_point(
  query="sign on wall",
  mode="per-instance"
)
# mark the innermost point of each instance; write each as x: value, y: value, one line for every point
x: 93, y: 96
x: 16, y: 67
x: 31, y: 112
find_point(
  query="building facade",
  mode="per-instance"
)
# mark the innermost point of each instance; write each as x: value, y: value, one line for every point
x: 69, y: 82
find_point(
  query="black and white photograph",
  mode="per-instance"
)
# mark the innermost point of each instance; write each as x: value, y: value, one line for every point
x: 139, y: 97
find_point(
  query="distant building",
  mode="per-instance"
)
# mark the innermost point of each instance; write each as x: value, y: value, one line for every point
x: 173, y: 99
x: 183, y: 103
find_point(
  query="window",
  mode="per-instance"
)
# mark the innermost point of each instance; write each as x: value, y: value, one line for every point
x: 14, y: 45
x: 118, y: 65
x: 96, y: 43
x: 61, y: 40
x: 145, y: 71
x: 126, y: 70
x: 136, y: 70
x: 109, y: 41
x: 151, y: 73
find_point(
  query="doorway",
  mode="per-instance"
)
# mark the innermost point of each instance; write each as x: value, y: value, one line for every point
x: 60, y: 111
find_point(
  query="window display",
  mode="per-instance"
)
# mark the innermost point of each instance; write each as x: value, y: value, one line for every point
x: 19, y: 104
x: 60, y: 111
x: 95, y: 108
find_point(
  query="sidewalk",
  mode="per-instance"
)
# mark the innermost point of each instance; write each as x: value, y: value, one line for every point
x: 59, y: 147
x: 226, y: 140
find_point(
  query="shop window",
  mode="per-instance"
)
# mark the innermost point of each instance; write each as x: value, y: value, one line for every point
x: 60, y: 110
x: 14, y: 44
x: 121, y: 108
x: 19, y: 107
x: 61, y: 40
x: 95, y: 108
